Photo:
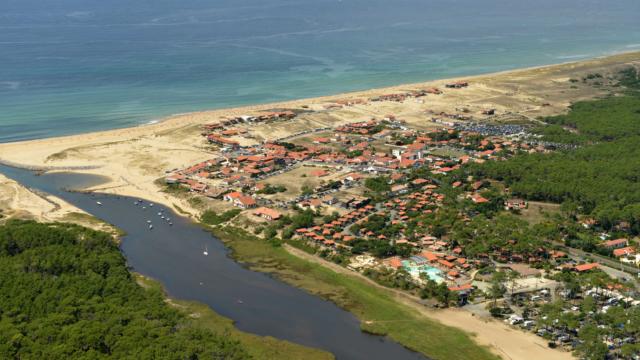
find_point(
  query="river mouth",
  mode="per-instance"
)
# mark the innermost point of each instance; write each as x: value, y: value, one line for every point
x: 169, y: 248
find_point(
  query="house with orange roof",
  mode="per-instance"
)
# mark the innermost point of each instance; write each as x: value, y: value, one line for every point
x: 245, y: 202
x: 586, y: 267
x: 267, y: 213
x: 478, y: 199
x: 625, y: 251
x: 615, y: 244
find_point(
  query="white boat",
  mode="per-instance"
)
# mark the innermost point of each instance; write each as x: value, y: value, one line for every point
x: 148, y: 221
x: 150, y: 227
x: 150, y: 205
x: 99, y: 203
x: 205, y: 252
x: 159, y: 214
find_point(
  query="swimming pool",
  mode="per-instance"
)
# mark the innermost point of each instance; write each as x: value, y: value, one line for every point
x: 432, y: 273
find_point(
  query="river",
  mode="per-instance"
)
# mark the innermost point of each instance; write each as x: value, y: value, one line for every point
x: 174, y: 256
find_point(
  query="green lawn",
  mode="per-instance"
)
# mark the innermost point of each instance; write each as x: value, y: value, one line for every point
x: 390, y: 318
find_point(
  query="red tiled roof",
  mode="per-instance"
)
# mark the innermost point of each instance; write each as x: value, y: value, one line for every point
x: 586, y: 267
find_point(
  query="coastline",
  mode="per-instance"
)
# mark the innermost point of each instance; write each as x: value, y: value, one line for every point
x: 122, y: 152
x: 189, y: 118
x: 261, y: 106
x: 133, y: 158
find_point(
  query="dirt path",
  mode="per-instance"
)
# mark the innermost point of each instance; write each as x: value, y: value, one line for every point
x: 506, y: 342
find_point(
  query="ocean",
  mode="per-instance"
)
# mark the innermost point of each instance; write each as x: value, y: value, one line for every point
x: 73, y: 66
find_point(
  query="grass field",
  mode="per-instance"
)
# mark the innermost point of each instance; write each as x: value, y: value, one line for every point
x: 536, y: 211
x: 375, y: 307
x: 259, y: 347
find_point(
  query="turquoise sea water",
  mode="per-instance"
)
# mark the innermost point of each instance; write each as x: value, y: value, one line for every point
x: 70, y: 66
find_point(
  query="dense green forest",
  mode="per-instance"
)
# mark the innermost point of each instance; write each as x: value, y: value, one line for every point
x: 601, y: 177
x: 65, y: 292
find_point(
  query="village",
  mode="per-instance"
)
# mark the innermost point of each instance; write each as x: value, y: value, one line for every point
x: 373, y: 195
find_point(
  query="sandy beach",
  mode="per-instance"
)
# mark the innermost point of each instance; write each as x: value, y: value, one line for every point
x: 135, y: 158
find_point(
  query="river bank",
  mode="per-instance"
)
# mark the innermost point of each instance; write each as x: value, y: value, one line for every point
x: 376, y: 307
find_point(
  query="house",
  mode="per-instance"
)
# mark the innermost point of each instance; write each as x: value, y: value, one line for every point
x: 515, y: 204
x: 586, y: 267
x: 174, y: 179
x: 478, y: 199
x: 399, y: 189
x: 615, y: 244
x: 267, y: 213
x: 232, y: 196
x: 240, y: 200
x: 312, y: 204
x: 214, y: 193
x: 625, y: 251
x: 245, y: 202
x: 419, y: 182
x: 198, y: 187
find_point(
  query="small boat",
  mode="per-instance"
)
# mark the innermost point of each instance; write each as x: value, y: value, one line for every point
x: 144, y: 207
x: 205, y: 252
x: 150, y: 227
x: 148, y: 221
x: 150, y: 204
x: 99, y: 203
x: 159, y: 214
x: 170, y: 224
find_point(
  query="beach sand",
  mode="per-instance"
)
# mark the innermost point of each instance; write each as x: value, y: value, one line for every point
x: 134, y: 158
x: 18, y: 202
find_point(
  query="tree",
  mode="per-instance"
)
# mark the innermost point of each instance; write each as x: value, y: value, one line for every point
x: 378, y: 184
x: 497, y: 288
x: 72, y: 296
x: 591, y: 346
